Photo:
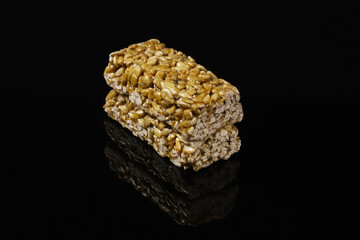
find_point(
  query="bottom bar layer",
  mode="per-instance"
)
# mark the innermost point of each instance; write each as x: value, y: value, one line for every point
x: 167, y: 141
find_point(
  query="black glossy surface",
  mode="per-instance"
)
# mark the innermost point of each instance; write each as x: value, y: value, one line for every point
x: 297, y: 172
x: 299, y: 168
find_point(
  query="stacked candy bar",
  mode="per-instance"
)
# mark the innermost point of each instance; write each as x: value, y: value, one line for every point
x: 180, y: 108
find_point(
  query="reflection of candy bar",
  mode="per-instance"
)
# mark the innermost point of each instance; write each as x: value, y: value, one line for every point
x: 190, y: 199
x: 172, y: 87
x: 167, y: 141
x: 191, y: 183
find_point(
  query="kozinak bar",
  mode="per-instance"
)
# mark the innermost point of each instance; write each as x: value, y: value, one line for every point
x: 168, y: 141
x: 173, y: 88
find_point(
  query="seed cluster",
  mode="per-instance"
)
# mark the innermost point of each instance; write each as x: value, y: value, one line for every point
x: 165, y: 75
x: 179, y: 107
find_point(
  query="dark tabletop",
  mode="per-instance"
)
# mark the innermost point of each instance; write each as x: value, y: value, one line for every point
x: 297, y: 172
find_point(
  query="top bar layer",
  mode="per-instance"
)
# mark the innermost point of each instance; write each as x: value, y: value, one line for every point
x: 172, y: 87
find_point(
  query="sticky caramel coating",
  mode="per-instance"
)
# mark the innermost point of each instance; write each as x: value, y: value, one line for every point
x: 172, y: 87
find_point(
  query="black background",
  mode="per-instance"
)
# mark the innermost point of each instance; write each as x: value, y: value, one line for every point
x: 295, y: 66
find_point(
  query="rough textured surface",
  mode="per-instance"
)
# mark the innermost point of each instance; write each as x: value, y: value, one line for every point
x: 167, y: 141
x: 172, y: 87
x: 184, y: 210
